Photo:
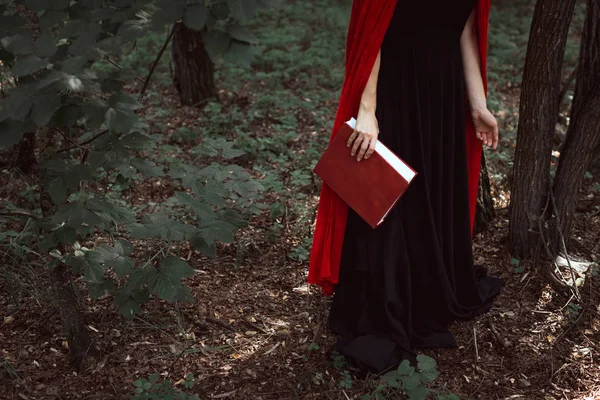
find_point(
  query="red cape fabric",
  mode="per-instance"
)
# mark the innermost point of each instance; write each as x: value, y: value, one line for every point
x: 368, y: 23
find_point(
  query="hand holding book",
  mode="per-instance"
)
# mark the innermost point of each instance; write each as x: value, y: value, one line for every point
x: 371, y: 187
x: 364, y: 137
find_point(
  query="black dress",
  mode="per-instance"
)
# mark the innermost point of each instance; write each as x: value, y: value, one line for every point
x: 403, y: 283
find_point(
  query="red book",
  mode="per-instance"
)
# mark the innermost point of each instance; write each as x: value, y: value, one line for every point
x: 370, y: 187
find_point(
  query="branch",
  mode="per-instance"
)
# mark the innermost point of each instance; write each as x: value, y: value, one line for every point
x: 121, y: 68
x: 158, y: 57
x: 69, y: 139
x: 18, y: 213
x: 564, y: 245
x: 79, y: 146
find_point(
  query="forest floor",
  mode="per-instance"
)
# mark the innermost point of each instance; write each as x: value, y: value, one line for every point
x: 256, y: 330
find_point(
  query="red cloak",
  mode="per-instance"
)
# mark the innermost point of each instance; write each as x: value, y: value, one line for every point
x: 368, y: 23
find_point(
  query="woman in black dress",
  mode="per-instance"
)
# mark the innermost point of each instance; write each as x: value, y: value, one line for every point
x: 403, y: 283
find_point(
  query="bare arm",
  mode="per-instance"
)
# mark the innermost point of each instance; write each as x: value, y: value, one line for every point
x: 368, y: 101
x: 366, y: 130
x: 485, y: 123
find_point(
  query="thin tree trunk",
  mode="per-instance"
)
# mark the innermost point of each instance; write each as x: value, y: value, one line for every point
x: 583, y: 136
x: 62, y: 291
x: 25, y: 159
x: 194, y: 71
x: 485, y: 212
x: 537, y: 121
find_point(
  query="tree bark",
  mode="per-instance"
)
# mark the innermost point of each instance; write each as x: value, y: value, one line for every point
x: 583, y: 135
x: 537, y: 122
x: 25, y: 159
x: 485, y: 213
x: 193, y: 78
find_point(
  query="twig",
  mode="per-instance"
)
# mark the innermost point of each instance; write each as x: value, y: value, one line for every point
x: 502, y: 341
x: 253, y: 325
x: 556, y: 278
x: 20, y: 214
x: 220, y: 323
x: 564, y: 246
x: 118, y: 66
x: 83, y: 143
x: 69, y: 139
x: 476, y: 349
x: 158, y: 57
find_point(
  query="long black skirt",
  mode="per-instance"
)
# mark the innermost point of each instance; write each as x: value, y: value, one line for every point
x: 403, y: 283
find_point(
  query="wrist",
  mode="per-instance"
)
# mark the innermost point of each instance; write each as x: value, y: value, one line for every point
x: 477, y: 106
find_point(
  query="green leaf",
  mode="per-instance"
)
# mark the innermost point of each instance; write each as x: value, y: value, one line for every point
x: 429, y: 375
x: 166, y: 283
x: 170, y: 11
x: 195, y: 16
x: 405, y: 368
x: 66, y: 235
x: 239, y: 53
x: 417, y: 393
x: 448, y: 397
x: 411, y: 381
x: 514, y: 261
x: 135, y: 140
x: 160, y: 225
x: 391, y: 379
x: 59, y: 4
x: 44, y: 45
x: 203, y: 210
x: 52, y: 18
x: 200, y: 244
x: 216, y: 42
x: 147, y: 168
x: 83, y: 43
x: 28, y: 65
x: 19, y: 44
x: 218, y: 230
x: 117, y: 257
x: 57, y: 188
x: 92, y: 270
x: 425, y: 363
x: 128, y: 301
x: 242, y: 10
x: 220, y: 11
x: 37, y: 5
x: 241, y: 33
x: 120, y: 121
x: 232, y: 153
x: 44, y: 108
x: 140, y: 276
x: 124, y: 101
x: 12, y: 132
x: 97, y: 290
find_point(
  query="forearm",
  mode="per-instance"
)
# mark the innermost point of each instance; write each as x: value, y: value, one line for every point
x: 368, y: 101
x: 469, y: 45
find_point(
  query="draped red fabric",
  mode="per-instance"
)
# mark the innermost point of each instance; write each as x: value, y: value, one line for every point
x: 368, y: 23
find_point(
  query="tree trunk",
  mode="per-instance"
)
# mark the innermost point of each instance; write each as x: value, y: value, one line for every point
x: 537, y: 121
x: 63, y: 293
x: 25, y: 159
x: 583, y: 136
x: 485, y: 213
x: 193, y: 76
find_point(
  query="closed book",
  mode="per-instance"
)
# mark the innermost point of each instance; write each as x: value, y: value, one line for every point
x: 371, y: 187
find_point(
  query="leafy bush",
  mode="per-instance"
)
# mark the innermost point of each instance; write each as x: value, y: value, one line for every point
x: 93, y: 143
